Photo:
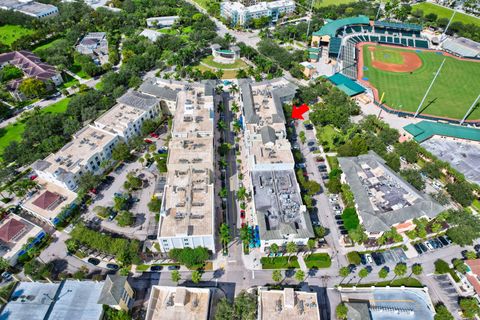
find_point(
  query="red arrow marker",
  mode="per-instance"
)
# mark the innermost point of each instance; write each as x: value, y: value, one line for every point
x: 297, y: 112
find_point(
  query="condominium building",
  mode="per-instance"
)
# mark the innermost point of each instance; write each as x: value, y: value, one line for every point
x: 239, y: 14
x: 30, y: 8
x: 94, y: 45
x: 174, y: 303
x: 277, y: 203
x: 126, y: 118
x: 88, y: 148
x: 187, y: 215
x: 165, y: 90
x: 287, y: 304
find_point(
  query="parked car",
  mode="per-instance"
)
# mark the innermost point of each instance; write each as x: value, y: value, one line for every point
x: 343, y: 232
x: 154, y: 135
x: 337, y: 207
x: 423, y: 247
x: 310, y: 143
x: 325, y: 177
x: 338, y: 217
x: 417, y: 248
x: 445, y: 242
x: 363, y: 260
x: 319, y: 159
x: 7, y: 276
x: 428, y: 245
x: 378, y: 258
x: 340, y: 222
x: 308, y: 126
x: 173, y: 267
x: 352, y: 267
x: 322, y: 169
x: 156, y: 268
x: 112, y: 216
x: 242, y: 214
x: 369, y: 258
x: 341, y: 228
x: 313, y: 149
x: 112, y: 266
x: 300, y: 165
x: 148, y: 141
x: 94, y: 261
x: 438, y: 242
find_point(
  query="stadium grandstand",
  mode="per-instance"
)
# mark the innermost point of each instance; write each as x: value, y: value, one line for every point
x: 462, y: 47
x: 424, y: 130
x: 347, y: 85
x: 340, y: 38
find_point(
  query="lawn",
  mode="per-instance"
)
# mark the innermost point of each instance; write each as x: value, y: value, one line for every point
x: 227, y: 74
x: 326, y: 3
x: 75, y: 68
x: 350, y: 218
x: 68, y: 82
x: 168, y: 31
x: 326, y: 135
x: 318, y: 260
x: 333, y: 162
x: 10, y: 33
x: 451, y: 95
x: 236, y: 65
x: 202, y: 3
x: 14, y: 131
x: 443, y: 12
x: 388, y: 55
x: 407, y: 282
x: 58, y: 107
x: 476, y: 205
x: 279, y: 263
x: 46, y: 45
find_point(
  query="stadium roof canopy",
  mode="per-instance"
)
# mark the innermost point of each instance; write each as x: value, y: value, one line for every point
x: 397, y: 25
x: 424, y: 130
x: 334, y: 46
x: 330, y: 29
x: 463, y: 47
x: 346, y: 84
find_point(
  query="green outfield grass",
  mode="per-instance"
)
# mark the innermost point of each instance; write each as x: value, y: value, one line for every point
x: 9, y: 33
x: 389, y: 55
x: 326, y: 3
x: 443, y: 12
x: 451, y: 96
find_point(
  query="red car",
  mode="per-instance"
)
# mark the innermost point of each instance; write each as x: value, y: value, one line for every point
x: 242, y: 214
x: 148, y: 141
x: 319, y: 159
x: 243, y: 224
x: 94, y: 191
x: 33, y: 177
x: 153, y: 135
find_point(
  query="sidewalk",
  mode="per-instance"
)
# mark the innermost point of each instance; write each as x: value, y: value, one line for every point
x: 302, y: 264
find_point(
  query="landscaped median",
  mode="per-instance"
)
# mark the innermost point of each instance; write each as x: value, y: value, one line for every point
x: 405, y: 282
x: 318, y: 261
x: 279, y: 262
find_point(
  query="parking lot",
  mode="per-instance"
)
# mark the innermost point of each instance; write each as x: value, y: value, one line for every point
x: 431, y: 244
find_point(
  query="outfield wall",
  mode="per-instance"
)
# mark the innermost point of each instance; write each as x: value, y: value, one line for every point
x: 360, y: 65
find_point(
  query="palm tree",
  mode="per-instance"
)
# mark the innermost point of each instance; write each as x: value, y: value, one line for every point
x: 273, y: 249
x: 176, y: 276
x: 235, y: 108
x: 221, y: 125
x: 383, y: 273
x: 241, y: 193
x: 344, y: 272
x: 196, y: 276
x: 310, y: 244
x: 223, y: 193
x: 300, y: 275
x: 400, y: 270
x: 234, y: 88
x: 224, y: 233
x: 222, y: 163
x: 236, y: 127
x: 363, y: 273
x: 277, y: 275
x: 417, y: 269
x: 219, y: 90
x: 291, y: 249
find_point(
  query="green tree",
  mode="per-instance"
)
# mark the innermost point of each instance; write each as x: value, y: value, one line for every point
x: 291, y: 249
x: 414, y: 178
x: 417, y: 269
x: 190, y: 257
x: 196, y: 276
x: 441, y: 266
x: 223, y: 193
x: 176, y: 277
x: 121, y: 152
x: 241, y: 193
x: 311, y: 244
x: 471, y: 255
x: 133, y: 182
x: 460, y: 266
x: 363, y: 273
x: 155, y: 204
x: 354, y: 257
x: 224, y: 233
x: 245, y: 306
x: 33, y: 88
x: 125, y: 218
x: 277, y: 275
x: 400, y: 269
x: 342, y: 311
x: 88, y: 181
x: 358, y: 234
x: 224, y: 310
x: 383, y: 273
x: 319, y: 232
x: 299, y: 275
x: 469, y: 307
x: 462, y: 192
x: 442, y: 313
x: 343, y: 272
x: 102, y: 212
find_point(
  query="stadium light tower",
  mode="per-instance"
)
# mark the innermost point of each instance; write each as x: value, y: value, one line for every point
x: 309, y: 20
x: 470, y: 109
x: 429, y: 88
x: 444, y: 34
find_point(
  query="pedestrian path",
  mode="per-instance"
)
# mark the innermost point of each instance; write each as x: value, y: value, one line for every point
x: 302, y: 264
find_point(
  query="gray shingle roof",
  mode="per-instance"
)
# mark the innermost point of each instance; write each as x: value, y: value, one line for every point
x: 164, y: 93
x: 375, y: 221
x: 112, y: 290
x: 268, y: 134
x: 138, y: 100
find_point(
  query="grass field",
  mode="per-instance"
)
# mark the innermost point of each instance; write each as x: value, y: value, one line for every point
x: 326, y: 3
x: 443, y: 12
x: 237, y: 64
x: 279, y: 263
x: 46, y: 45
x: 388, y: 55
x: 318, y: 260
x: 9, y: 33
x: 13, y: 132
x: 451, y: 95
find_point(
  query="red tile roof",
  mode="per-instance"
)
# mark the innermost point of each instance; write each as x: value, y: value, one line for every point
x: 474, y: 266
x: 474, y: 282
x: 46, y: 199
x: 11, y: 229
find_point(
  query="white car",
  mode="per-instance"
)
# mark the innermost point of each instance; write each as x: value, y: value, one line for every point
x: 369, y: 258
x: 428, y: 245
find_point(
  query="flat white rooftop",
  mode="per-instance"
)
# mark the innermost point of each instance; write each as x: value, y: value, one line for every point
x: 288, y: 304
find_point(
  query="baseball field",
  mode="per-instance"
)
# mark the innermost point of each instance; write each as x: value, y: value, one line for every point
x: 403, y: 76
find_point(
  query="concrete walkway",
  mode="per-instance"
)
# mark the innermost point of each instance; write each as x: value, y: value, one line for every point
x: 301, y: 262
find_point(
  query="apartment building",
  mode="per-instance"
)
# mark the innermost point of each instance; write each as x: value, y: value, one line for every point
x: 240, y: 14
x: 165, y: 90
x: 126, y: 118
x: 94, y: 45
x: 30, y: 8
x: 88, y: 148
x: 187, y: 215
x: 287, y: 304
x: 276, y: 202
